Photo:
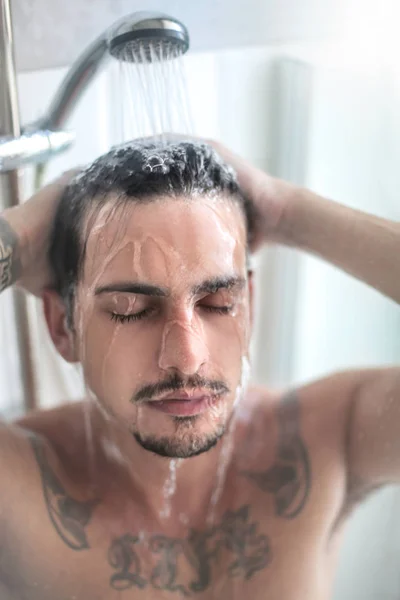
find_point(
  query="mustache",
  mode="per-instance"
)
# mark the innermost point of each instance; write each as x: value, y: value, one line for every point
x: 175, y: 383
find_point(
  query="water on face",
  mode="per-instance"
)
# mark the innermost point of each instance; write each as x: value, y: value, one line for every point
x: 218, y: 412
x: 154, y: 101
x: 227, y: 443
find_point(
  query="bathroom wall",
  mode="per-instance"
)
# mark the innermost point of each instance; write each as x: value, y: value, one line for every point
x: 43, y: 29
x: 352, y: 147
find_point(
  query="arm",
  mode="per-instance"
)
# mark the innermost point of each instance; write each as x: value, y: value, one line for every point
x: 362, y: 408
x: 368, y: 248
x: 361, y: 244
x: 24, y: 237
x: 373, y: 446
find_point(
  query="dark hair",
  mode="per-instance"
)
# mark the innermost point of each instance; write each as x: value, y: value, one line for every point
x: 140, y: 171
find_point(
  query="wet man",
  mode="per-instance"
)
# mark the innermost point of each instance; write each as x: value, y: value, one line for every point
x: 173, y: 479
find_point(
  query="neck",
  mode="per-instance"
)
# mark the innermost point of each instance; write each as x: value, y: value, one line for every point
x: 188, y: 488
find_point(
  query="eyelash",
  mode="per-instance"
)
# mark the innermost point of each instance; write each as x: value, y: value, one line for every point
x: 220, y: 310
x: 130, y: 318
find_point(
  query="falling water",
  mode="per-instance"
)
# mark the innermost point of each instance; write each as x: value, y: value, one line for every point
x: 227, y: 444
x: 153, y: 94
x: 169, y: 488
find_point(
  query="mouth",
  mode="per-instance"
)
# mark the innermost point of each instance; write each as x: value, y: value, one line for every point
x: 185, y: 403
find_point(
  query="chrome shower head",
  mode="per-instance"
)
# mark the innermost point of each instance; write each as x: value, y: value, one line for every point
x: 148, y: 37
x: 140, y: 37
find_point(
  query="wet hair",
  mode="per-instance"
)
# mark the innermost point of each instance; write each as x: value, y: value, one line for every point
x: 140, y: 171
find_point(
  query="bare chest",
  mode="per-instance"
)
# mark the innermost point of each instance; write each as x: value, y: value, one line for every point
x: 241, y: 555
x: 271, y: 541
x: 271, y: 535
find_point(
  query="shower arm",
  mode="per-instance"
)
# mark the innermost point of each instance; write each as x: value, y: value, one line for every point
x: 44, y: 138
x: 77, y: 80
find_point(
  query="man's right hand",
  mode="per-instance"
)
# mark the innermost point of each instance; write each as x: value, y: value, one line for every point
x: 25, y: 237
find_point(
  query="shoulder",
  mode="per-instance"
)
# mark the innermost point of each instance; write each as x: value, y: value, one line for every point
x: 60, y: 434
x: 315, y: 412
x: 321, y: 399
x: 295, y: 448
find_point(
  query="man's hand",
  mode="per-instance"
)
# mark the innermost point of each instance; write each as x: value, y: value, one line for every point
x: 365, y: 246
x: 26, y: 229
x: 270, y: 196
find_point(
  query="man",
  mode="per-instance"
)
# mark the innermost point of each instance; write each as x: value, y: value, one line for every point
x: 172, y: 479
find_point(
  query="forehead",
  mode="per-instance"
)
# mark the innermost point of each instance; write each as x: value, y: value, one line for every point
x: 166, y: 241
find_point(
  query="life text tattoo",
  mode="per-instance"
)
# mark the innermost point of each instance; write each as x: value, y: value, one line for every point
x: 289, y: 478
x: 9, y: 263
x: 69, y: 516
x: 185, y: 566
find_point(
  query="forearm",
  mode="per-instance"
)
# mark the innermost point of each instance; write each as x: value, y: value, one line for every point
x: 25, y: 234
x: 361, y: 244
x: 10, y: 260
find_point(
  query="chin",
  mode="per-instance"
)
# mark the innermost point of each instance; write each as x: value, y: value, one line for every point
x: 184, y: 443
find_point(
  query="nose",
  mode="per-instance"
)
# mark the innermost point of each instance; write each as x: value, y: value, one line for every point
x: 183, y: 346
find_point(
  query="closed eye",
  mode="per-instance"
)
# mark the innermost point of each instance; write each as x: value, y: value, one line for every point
x: 131, y: 317
x: 221, y: 310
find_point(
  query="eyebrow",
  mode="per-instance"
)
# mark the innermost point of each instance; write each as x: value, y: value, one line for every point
x: 210, y: 286
x: 132, y: 288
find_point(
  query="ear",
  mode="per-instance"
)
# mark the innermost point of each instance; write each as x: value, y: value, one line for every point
x: 56, y: 319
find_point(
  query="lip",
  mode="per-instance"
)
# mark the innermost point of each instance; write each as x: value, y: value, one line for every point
x: 182, y: 404
x: 184, y: 395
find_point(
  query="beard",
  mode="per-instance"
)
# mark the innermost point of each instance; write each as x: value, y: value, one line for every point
x: 184, y: 443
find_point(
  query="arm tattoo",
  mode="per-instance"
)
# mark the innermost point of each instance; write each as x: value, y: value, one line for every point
x: 69, y: 516
x: 235, y: 538
x: 10, y: 266
x: 289, y: 478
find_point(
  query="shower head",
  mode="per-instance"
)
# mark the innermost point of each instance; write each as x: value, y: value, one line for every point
x: 148, y: 37
x: 140, y: 37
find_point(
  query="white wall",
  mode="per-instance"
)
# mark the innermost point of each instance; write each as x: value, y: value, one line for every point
x: 344, y: 322
x: 340, y: 323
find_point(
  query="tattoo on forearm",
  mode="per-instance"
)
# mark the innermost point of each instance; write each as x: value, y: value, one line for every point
x: 289, y: 478
x: 185, y: 566
x: 9, y: 262
x: 70, y: 517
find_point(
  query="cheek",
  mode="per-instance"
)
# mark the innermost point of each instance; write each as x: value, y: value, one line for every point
x: 115, y: 357
x: 228, y: 338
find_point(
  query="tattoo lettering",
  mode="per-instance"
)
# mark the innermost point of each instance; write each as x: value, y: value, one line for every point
x: 122, y: 557
x: 9, y: 265
x: 165, y: 573
x: 185, y: 566
x: 289, y: 478
x: 69, y: 516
